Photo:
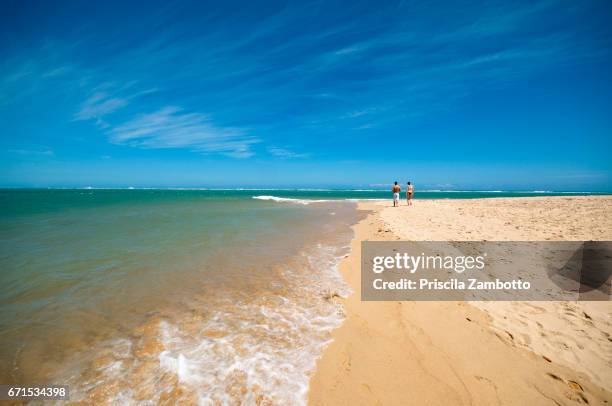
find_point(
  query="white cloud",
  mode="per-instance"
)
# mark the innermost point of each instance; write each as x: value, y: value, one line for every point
x: 347, y: 50
x: 365, y: 126
x: 99, y: 105
x: 54, y: 72
x: 46, y: 152
x: 285, y: 153
x: 363, y: 112
x: 169, y: 127
x: 106, y: 99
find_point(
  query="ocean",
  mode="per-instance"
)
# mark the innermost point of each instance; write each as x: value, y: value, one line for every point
x: 189, y: 295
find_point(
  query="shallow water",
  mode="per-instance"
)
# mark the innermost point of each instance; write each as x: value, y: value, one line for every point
x: 131, y: 296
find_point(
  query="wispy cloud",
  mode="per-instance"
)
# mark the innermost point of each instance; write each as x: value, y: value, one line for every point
x: 347, y: 50
x: 362, y: 112
x: 99, y: 105
x: 106, y: 99
x: 31, y: 152
x: 56, y: 72
x: 170, y: 127
x: 285, y: 153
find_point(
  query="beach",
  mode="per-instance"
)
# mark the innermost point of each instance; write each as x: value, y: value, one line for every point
x: 199, y: 296
x: 477, y: 352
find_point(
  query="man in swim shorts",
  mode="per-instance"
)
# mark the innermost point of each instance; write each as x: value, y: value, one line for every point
x: 396, y: 191
x: 409, y: 193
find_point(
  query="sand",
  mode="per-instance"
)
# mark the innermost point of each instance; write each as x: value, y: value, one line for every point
x: 479, y: 353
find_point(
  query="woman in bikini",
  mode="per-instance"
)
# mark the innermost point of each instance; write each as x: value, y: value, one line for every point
x: 409, y: 193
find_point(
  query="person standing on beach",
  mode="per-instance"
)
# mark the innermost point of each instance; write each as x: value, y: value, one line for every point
x: 396, y: 191
x: 409, y: 193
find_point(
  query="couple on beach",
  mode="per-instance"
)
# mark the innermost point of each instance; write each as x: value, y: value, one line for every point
x: 396, y: 191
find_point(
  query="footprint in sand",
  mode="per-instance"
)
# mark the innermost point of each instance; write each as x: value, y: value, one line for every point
x: 577, y: 394
x: 346, y: 362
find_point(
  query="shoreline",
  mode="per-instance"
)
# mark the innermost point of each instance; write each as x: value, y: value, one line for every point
x: 458, y: 352
x: 212, y: 303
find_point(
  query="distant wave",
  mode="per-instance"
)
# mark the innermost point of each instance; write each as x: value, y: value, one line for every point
x: 361, y: 199
x: 289, y: 200
x: 503, y: 191
x: 461, y: 191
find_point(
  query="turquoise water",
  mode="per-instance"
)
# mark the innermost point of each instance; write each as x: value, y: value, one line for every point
x: 55, y: 197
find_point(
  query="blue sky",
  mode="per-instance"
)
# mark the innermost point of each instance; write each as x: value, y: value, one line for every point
x: 476, y: 95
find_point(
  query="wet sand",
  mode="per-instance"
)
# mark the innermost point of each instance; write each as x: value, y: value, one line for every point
x: 471, y: 353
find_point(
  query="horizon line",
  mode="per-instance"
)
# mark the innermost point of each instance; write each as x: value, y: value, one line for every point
x: 300, y: 189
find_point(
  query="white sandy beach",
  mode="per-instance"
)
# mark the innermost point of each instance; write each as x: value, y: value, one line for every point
x: 478, y: 352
